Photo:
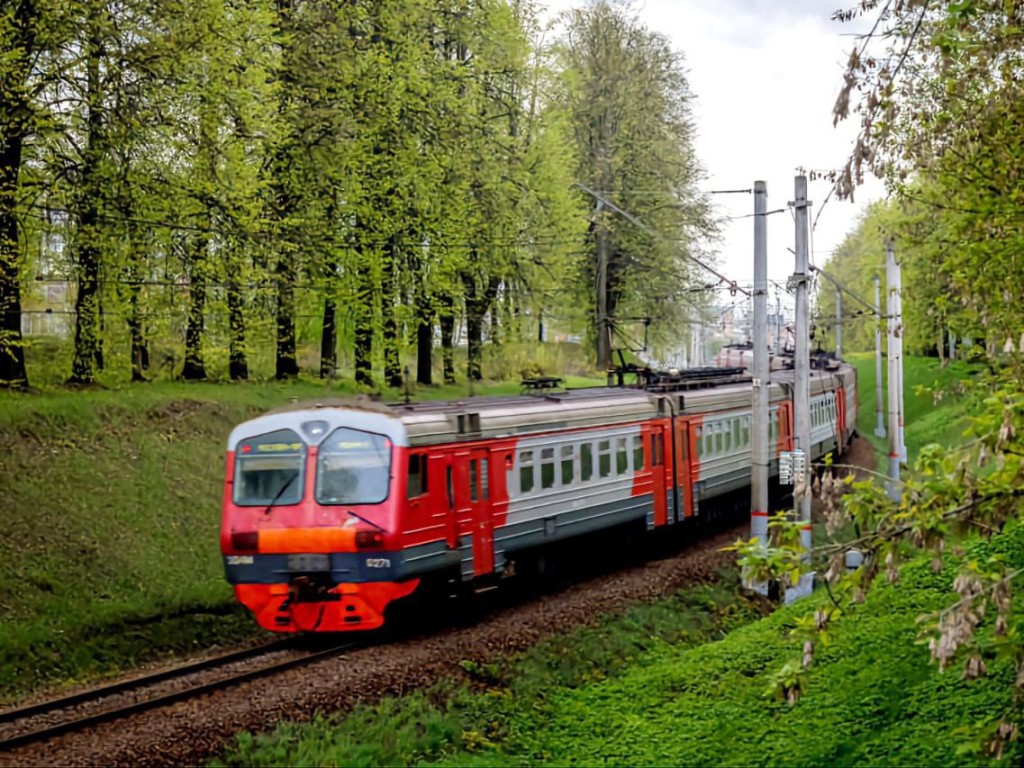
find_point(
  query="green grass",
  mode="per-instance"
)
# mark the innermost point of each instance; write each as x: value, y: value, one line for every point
x: 111, y: 501
x: 925, y: 420
x: 626, y: 695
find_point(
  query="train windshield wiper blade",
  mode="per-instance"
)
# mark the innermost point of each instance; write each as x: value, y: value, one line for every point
x: 280, y: 492
x: 357, y: 516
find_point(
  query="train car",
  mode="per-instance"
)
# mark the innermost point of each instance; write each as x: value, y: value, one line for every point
x: 334, y: 510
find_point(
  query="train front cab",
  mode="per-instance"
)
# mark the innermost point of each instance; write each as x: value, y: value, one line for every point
x: 310, y: 516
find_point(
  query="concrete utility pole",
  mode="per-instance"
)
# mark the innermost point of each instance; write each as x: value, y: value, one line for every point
x: 879, y: 421
x: 802, y: 375
x: 778, y: 323
x: 893, y: 485
x: 760, y: 413
x: 839, y: 324
x: 899, y: 347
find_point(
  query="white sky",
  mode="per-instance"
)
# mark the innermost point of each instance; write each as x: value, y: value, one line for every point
x: 765, y: 74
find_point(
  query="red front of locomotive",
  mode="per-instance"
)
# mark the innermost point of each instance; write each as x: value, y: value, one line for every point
x: 311, y: 525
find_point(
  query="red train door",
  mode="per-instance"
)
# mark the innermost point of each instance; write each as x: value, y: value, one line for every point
x: 479, y: 502
x: 683, y: 473
x: 658, y: 474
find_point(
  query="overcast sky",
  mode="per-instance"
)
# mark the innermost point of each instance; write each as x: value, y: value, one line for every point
x: 765, y: 74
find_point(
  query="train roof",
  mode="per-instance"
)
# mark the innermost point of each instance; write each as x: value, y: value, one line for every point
x: 447, y: 421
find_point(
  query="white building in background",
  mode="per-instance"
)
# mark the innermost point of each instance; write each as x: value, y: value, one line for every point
x: 48, y: 305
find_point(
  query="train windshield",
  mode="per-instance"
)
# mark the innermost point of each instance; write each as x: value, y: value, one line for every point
x: 269, y: 469
x: 353, y: 467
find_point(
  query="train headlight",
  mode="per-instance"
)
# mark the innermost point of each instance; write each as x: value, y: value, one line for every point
x: 314, y: 430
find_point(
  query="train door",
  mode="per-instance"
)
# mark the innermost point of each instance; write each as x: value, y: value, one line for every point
x: 474, y: 502
x: 658, y: 475
x: 684, y: 470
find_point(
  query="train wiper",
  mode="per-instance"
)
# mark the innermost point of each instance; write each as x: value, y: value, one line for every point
x: 280, y: 492
x: 357, y: 516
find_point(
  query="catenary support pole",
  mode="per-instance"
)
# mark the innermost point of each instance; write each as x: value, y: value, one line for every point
x: 802, y: 374
x: 879, y: 405
x: 778, y: 324
x: 839, y: 324
x: 893, y: 484
x: 899, y: 357
x: 759, y: 421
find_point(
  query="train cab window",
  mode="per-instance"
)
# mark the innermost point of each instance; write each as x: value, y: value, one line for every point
x: 638, y: 453
x: 269, y: 469
x: 526, y: 471
x: 568, y: 464
x: 586, y: 461
x: 417, y: 477
x: 353, y: 467
x: 604, y: 458
x: 621, y: 457
x: 547, y: 467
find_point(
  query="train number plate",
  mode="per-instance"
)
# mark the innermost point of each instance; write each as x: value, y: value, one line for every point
x: 309, y: 563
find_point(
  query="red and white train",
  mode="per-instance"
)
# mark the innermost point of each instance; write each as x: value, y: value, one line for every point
x: 334, y: 510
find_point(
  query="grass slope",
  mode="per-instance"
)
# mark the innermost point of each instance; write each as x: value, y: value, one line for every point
x: 111, y: 502
x: 651, y: 698
x: 925, y: 420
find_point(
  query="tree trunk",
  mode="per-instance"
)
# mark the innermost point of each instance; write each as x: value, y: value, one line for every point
x: 87, y: 331
x: 194, y: 368
x: 424, y: 344
x: 14, y: 125
x: 329, y: 339
x: 238, y: 365
x: 286, y: 364
x: 140, y: 356
x: 448, y: 337
x: 364, y: 328
x: 392, y: 356
x: 12, y: 352
x: 477, y: 303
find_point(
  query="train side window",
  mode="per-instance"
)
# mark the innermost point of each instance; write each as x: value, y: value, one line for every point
x: 709, y: 440
x: 657, y: 450
x: 472, y: 480
x: 736, y: 432
x: 727, y: 437
x: 604, y: 458
x: 621, y: 456
x: 417, y: 478
x: 568, y: 464
x: 485, y: 488
x: 746, y: 430
x: 547, y: 467
x: 718, y: 438
x: 525, y: 471
x: 638, y: 453
x: 586, y: 461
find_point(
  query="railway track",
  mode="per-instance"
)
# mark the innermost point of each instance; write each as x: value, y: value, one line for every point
x: 38, y: 722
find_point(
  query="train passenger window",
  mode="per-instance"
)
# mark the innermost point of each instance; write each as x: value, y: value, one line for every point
x: 746, y: 430
x: 568, y: 464
x: 638, y: 453
x: 586, y: 461
x: 473, y: 496
x: 485, y: 487
x: 417, y: 478
x: 604, y: 458
x: 526, y: 471
x: 736, y: 432
x: 621, y: 457
x: 718, y: 438
x: 728, y: 437
x: 547, y: 467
